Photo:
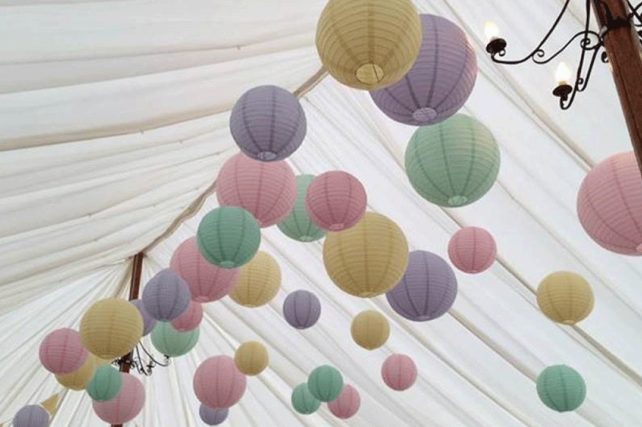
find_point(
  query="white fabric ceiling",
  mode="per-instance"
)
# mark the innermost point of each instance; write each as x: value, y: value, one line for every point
x: 113, y: 120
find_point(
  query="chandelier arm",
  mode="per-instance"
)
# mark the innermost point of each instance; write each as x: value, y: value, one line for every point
x: 153, y: 360
x: 585, y: 44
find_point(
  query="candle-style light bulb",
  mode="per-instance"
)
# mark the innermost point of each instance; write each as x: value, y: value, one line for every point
x: 563, y: 74
x: 491, y: 31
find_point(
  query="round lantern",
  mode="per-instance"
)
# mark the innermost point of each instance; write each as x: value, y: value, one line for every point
x: 453, y: 163
x: 212, y: 416
x: 472, y: 250
x: 31, y: 416
x: 166, y: 296
x: 190, y: 319
x: 206, y: 282
x: 126, y: 405
x: 268, y: 123
x: 325, y: 383
x: 251, y: 358
x: 301, y: 309
x: 399, y: 372
x: 367, y: 259
x: 298, y: 225
x: 62, y: 352
x: 266, y: 190
x: 609, y: 204
x: 368, y: 44
x: 336, y: 200
x: 79, y: 379
x: 228, y: 237
x: 565, y: 297
x: 105, y: 383
x: 561, y: 388
x: 439, y: 82
x: 259, y: 281
x: 370, y: 329
x: 111, y: 328
x: 347, y: 404
x: 427, y: 289
x: 148, y: 321
x: 230, y: 382
x: 171, y: 342
x: 303, y: 401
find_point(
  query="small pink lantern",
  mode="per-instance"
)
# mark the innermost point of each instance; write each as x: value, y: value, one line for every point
x: 126, y: 405
x: 190, y: 319
x: 218, y: 383
x: 399, y: 372
x: 62, y: 352
x: 336, y: 201
x: 267, y: 190
x: 347, y: 404
x: 472, y: 250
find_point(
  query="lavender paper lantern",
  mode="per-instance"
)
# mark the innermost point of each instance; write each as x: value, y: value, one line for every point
x: 212, y: 416
x: 440, y: 81
x: 148, y: 321
x: 31, y: 416
x: 427, y: 289
x: 166, y: 296
x: 301, y: 309
x: 268, y: 123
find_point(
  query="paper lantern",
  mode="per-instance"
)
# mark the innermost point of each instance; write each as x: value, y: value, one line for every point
x: 190, y: 319
x: 298, y: 225
x: 259, y: 281
x: 166, y: 296
x: 230, y: 382
x: 79, y: 379
x: 565, y: 297
x: 336, y: 201
x: 206, y: 282
x: 268, y: 123
x: 472, y: 250
x: 561, y: 388
x: 171, y: 342
x: 31, y: 416
x: 301, y: 309
x: 325, y: 383
x: 367, y: 259
x: 228, y: 237
x: 370, y: 329
x: 439, y: 82
x: 368, y: 44
x: 347, y: 404
x: 267, y: 190
x: 62, y: 352
x: 111, y: 328
x: 212, y: 416
x: 399, y: 372
x: 148, y: 321
x: 609, y: 204
x: 126, y: 405
x: 453, y: 163
x: 251, y: 358
x: 303, y: 401
x: 105, y: 383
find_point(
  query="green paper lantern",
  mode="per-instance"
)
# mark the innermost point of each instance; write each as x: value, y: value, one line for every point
x: 325, y: 383
x: 302, y: 400
x: 171, y: 342
x: 105, y: 384
x: 561, y: 388
x: 228, y: 237
x: 453, y: 163
x: 298, y: 225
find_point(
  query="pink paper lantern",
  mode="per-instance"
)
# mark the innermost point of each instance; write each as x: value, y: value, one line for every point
x: 399, y: 372
x: 267, y: 190
x: 126, y: 405
x: 218, y: 383
x: 347, y: 404
x: 472, y: 250
x: 609, y: 204
x: 62, y: 352
x: 336, y: 201
x: 190, y: 319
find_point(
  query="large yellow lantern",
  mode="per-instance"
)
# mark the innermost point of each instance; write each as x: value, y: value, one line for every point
x: 565, y: 297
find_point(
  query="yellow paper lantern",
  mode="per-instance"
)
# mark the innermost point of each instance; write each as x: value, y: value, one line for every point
x: 251, y: 358
x: 370, y: 329
x: 369, y: 44
x: 78, y: 379
x: 565, y: 297
x: 111, y: 328
x: 368, y: 259
x: 259, y: 281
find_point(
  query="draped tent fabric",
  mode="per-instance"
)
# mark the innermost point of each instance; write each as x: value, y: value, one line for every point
x: 114, y: 120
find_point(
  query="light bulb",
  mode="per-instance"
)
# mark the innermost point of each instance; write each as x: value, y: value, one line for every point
x: 563, y: 74
x: 491, y: 31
